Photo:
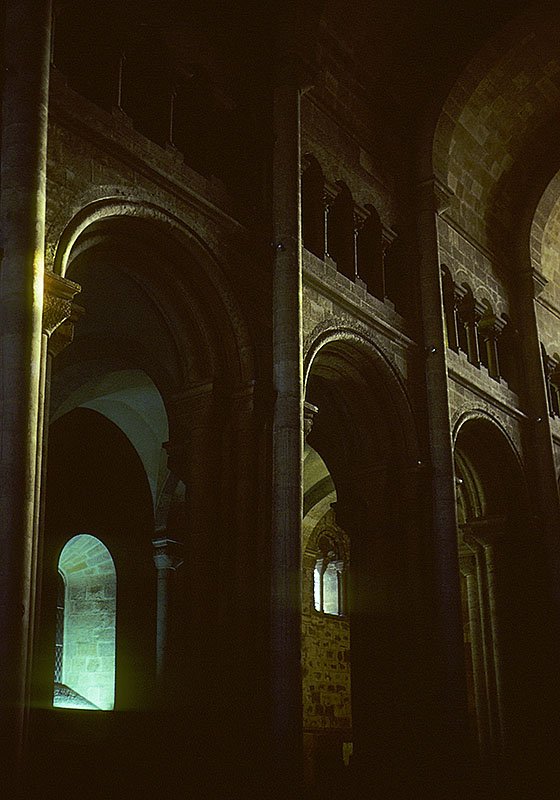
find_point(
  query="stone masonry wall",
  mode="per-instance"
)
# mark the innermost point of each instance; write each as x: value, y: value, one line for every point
x: 325, y: 656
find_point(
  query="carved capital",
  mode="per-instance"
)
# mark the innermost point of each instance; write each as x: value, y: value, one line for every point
x: 59, y: 310
x: 309, y: 414
x: 330, y: 192
x: 484, y: 532
x: 467, y: 561
x: 165, y: 554
x: 388, y: 236
x: 490, y: 325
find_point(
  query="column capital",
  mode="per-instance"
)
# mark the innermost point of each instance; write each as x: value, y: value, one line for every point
x: 60, y: 312
x: 388, y: 236
x: 309, y: 413
x: 165, y: 553
x: 490, y: 325
x: 484, y: 532
x: 251, y: 403
x: 467, y: 560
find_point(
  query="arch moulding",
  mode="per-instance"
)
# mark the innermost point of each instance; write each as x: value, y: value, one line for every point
x: 481, y: 415
x: 373, y: 358
x: 113, y: 207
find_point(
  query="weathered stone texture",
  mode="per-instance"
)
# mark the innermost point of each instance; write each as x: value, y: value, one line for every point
x: 325, y: 655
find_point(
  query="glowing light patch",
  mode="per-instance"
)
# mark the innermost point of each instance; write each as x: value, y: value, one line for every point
x: 86, y: 679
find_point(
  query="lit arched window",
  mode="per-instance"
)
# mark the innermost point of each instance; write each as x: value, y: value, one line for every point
x: 328, y: 578
x: 84, y: 675
x: 59, y: 636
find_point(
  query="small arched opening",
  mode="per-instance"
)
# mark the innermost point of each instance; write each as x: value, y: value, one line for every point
x: 340, y: 231
x: 85, y: 626
x: 370, y: 253
x: 313, y: 206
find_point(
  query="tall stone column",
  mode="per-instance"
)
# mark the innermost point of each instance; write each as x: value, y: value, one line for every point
x: 60, y: 313
x: 480, y: 678
x: 287, y: 455
x: 194, y: 456
x: 361, y: 514
x: 22, y: 223
x: 449, y: 639
x: 195, y: 451
x: 482, y: 536
x: 246, y: 589
x: 167, y: 562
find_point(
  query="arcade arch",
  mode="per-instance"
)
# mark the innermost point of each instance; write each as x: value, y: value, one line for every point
x: 359, y: 490
x: 499, y: 553
x: 142, y: 425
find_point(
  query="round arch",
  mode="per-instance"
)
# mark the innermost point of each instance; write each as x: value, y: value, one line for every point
x: 489, y: 467
x: 495, y: 130
x: 162, y: 228
x: 364, y: 435
x: 500, y: 563
x: 355, y: 356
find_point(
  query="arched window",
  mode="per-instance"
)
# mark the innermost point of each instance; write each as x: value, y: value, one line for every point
x: 328, y: 577
x: 509, y: 355
x: 313, y: 207
x: 468, y: 325
x: 370, y: 253
x: 398, y: 285
x: 84, y: 674
x: 340, y: 231
x: 449, y: 308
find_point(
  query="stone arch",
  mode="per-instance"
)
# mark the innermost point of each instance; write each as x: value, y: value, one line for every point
x: 500, y: 559
x: 364, y: 433
x: 97, y: 483
x: 377, y: 365
x: 496, y: 445
x: 129, y: 399
x: 211, y: 284
x: 543, y: 239
x: 492, y: 123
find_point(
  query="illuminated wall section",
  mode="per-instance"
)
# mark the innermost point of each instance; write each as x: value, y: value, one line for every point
x: 88, y: 654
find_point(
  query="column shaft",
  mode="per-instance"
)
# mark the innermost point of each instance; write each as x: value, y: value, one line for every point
x: 287, y: 500
x: 451, y: 675
x: 22, y: 223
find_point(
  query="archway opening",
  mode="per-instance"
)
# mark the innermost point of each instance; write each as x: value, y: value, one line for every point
x: 327, y: 707
x: 357, y: 648
x: 498, y: 546
x: 86, y: 628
